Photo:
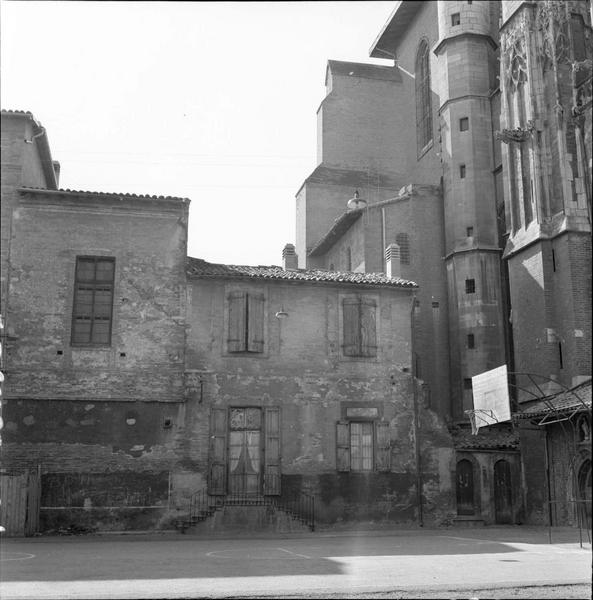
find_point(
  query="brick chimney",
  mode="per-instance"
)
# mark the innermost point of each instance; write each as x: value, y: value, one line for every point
x: 289, y: 258
x: 392, y: 264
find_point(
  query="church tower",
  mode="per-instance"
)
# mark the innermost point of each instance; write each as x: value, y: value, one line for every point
x: 466, y: 83
x: 546, y: 130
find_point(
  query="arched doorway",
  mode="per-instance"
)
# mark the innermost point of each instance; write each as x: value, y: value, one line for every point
x: 464, y: 483
x: 503, y: 498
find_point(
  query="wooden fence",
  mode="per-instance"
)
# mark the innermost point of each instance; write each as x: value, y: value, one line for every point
x: 19, y: 503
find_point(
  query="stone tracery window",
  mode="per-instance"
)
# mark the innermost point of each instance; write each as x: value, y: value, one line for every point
x: 423, y: 99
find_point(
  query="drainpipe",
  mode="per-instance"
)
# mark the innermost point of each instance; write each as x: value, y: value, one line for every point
x: 416, y: 419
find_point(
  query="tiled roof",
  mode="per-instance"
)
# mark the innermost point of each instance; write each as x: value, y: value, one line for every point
x: 109, y: 194
x: 578, y: 397
x: 196, y: 267
x: 337, y: 230
x: 487, y: 438
x: 366, y: 70
x: 353, y: 178
x: 21, y: 113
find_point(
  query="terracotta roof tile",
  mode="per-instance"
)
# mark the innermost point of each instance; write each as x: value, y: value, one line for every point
x: 578, y: 397
x: 196, y: 267
x: 487, y: 438
x: 90, y: 193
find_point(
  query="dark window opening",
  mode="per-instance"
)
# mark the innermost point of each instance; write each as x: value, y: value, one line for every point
x: 471, y: 341
x: 464, y: 124
x: 470, y: 286
x: 455, y: 19
x: 470, y: 232
x: 560, y: 360
x: 553, y: 260
x: 348, y: 259
x: 93, y: 301
x: 467, y: 383
x: 462, y: 171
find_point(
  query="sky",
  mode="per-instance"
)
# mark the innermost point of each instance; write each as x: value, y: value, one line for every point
x: 212, y: 101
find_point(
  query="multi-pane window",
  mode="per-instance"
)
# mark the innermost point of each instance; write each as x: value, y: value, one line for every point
x: 363, y: 446
x: 455, y: 19
x: 246, y: 322
x: 93, y: 301
x: 470, y: 286
x: 464, y: 124
x: 359, y: 327
x: 423, y: 98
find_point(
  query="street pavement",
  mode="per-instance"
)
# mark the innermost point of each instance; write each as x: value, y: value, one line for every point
x: 173, y: 565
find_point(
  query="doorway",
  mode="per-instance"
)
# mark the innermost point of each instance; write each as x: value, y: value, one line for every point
x: 503, y: 498
x: 464, y: 478
x: 245, y: 451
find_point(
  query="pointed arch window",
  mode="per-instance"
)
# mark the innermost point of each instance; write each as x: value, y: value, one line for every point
x: 423, y: 99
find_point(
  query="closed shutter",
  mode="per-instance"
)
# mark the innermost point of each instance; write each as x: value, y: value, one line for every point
x: 237, y: 324
x: 368, y: 328
x: 255, y: 328
x: 342, y: 446
x: 272, y: 452
x: 351, y: 326
x: 218, y: 451
x: 383, y: 453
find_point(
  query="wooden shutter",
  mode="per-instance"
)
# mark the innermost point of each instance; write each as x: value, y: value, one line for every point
x: 343, y: 446
x: 351, y: 326
x: 218, y: 452
x: 272, y: 452
x: 383, y: 451
x: 237, y: 324
x: 255, y: 328
x: 368, y: 328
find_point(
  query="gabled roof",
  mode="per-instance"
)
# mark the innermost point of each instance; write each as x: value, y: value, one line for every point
x: 364, y: 70
x: 565, y: 402
x: 112, y: 195
x: 47, y: 163
x: 201, y: 269
x: 397, y: 24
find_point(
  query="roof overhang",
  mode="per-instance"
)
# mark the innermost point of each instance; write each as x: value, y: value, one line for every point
x: 338, y: 229
x: 397, y: 23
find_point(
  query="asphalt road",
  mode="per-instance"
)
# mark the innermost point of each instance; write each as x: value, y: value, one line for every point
x: 310, y: 565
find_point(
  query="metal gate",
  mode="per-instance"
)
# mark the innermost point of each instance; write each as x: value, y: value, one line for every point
x: 19, y: 503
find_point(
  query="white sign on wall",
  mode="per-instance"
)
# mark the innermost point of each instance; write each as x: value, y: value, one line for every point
x: 491, y: 397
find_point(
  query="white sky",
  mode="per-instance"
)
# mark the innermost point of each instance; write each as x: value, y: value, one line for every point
x: 214, y: 101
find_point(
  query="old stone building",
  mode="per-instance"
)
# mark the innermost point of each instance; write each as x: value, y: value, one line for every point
x: 139, y: 380
x: 497, y: 96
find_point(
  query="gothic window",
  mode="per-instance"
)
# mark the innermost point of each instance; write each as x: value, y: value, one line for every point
x: 403, y: 241
x: 93, y: 301
x: 423, y: 99
x: 246, y: 322
x: 359, y: 327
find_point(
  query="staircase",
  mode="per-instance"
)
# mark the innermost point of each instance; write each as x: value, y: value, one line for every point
x: 203, y: 506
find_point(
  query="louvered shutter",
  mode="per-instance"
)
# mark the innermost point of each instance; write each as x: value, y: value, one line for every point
x: 255, y: 328
x: 272, y: 452
x: 342, y: 446
x: 368, y: 328
x: 237, y: 324
x: 351, y: 326
x: 383, y: 451
x: 218, y: 452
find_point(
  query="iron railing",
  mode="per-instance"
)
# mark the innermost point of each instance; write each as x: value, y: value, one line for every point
x: 300, y: 506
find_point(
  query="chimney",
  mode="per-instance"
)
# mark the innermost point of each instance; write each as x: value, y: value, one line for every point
x: 392, y: 264
x: 289, y: 258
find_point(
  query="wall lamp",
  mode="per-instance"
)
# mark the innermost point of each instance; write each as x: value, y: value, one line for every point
x: 281, y: 314
x: 356, y: 202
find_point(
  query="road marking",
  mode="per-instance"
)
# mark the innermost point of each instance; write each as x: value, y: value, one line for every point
x: 294, y: 553
x: 23, y: 556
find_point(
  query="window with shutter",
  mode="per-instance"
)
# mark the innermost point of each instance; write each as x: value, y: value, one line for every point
x: 359, y: 327
x: 343, y: 446
x: 245, y: 322
x: 218, y: 452
x: 363, y: 446
x: 383, y: 452
x: 93, y: 301
x: 272, y: 452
